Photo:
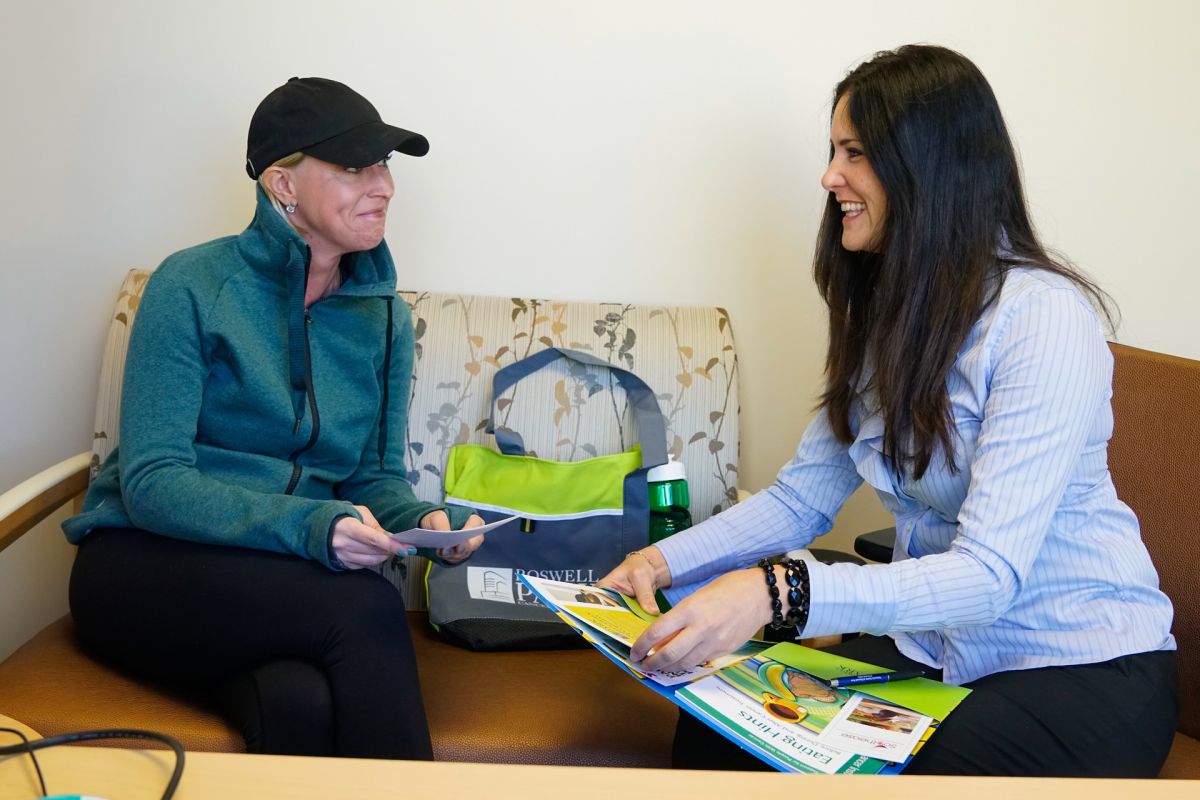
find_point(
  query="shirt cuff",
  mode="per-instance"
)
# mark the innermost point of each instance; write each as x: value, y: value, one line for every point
x: 850, y: 598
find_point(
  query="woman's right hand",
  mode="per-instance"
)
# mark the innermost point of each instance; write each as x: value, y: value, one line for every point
x: 715, y: 620
x: 641, y: 574
x: 362, y: 544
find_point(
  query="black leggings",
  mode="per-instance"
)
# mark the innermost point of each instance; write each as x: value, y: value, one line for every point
x: 306, y: 661
x: 1113, y: 719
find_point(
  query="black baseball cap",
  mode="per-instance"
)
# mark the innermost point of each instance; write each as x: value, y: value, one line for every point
x: 324, y: 119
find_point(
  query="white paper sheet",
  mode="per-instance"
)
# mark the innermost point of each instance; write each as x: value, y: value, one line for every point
x: 423, y: 537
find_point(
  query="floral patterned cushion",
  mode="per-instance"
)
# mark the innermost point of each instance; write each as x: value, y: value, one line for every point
x: 564, y: 412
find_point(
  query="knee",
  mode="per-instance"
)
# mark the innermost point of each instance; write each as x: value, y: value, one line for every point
x: 368, y: 603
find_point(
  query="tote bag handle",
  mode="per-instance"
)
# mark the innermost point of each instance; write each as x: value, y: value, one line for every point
x: 651, y: 430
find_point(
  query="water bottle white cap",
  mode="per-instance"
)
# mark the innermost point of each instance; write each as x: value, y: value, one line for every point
x: 670, y: 471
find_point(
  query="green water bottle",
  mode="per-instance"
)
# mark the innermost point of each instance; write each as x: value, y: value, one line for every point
x: 668, y: 500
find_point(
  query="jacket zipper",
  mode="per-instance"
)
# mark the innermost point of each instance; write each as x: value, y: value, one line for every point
x: 312, y: 404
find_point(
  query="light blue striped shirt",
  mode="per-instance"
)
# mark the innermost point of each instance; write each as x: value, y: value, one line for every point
x: 1024, y: 558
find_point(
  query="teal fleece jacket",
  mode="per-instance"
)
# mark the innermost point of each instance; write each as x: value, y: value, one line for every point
x: 247, y: 420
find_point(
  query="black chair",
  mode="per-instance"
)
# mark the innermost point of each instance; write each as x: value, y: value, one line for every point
x: 832, y: 556
x: 876, y: 545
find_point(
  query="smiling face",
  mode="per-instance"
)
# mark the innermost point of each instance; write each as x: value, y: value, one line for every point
x: 852, y: 181
x: 338, y: 209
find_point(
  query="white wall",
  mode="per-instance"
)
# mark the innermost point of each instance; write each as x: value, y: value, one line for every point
x: 33, y: 578
x: 635, y: 150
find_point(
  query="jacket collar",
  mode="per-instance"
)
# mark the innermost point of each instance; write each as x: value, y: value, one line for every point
x: 273, y: 249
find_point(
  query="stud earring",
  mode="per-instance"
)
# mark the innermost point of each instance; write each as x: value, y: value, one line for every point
x: 290, y: 208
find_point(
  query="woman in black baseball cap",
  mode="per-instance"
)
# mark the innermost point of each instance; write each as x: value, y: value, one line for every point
x: 261, y: 461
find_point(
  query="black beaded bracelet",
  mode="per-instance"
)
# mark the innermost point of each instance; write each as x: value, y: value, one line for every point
x: 796, y: 577
x: 777, y: 620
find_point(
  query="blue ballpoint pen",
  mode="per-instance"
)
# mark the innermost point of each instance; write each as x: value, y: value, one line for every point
x: 879, y: 677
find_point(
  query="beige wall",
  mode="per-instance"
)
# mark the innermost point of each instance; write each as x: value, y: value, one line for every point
x: 633, y: 150
x: 33, y: 579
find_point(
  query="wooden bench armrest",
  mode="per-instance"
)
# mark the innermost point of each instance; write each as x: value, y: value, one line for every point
x: 28, y: 503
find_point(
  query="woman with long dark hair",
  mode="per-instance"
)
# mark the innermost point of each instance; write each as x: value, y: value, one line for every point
x: 968, y: 381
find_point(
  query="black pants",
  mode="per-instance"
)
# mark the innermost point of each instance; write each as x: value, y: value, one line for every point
x: 306, y: 661
x: 1113, y: 719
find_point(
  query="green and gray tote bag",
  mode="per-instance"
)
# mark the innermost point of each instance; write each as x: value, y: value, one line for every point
x: 576, y: 519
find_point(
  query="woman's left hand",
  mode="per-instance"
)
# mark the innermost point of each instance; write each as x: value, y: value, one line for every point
x: 714, y: 621
x: 438, y: 521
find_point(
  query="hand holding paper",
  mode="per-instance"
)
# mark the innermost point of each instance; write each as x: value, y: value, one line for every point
x: 359, y: 543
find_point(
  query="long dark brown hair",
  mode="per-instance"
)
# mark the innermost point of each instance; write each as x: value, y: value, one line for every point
x: 956, y: 222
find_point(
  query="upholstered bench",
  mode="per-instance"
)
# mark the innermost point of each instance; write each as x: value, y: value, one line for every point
x: 543, y: 707
x: 548, y: 707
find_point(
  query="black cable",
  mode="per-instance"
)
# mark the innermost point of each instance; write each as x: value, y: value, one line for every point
x: 107, y: 733
x: 28, y: 751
